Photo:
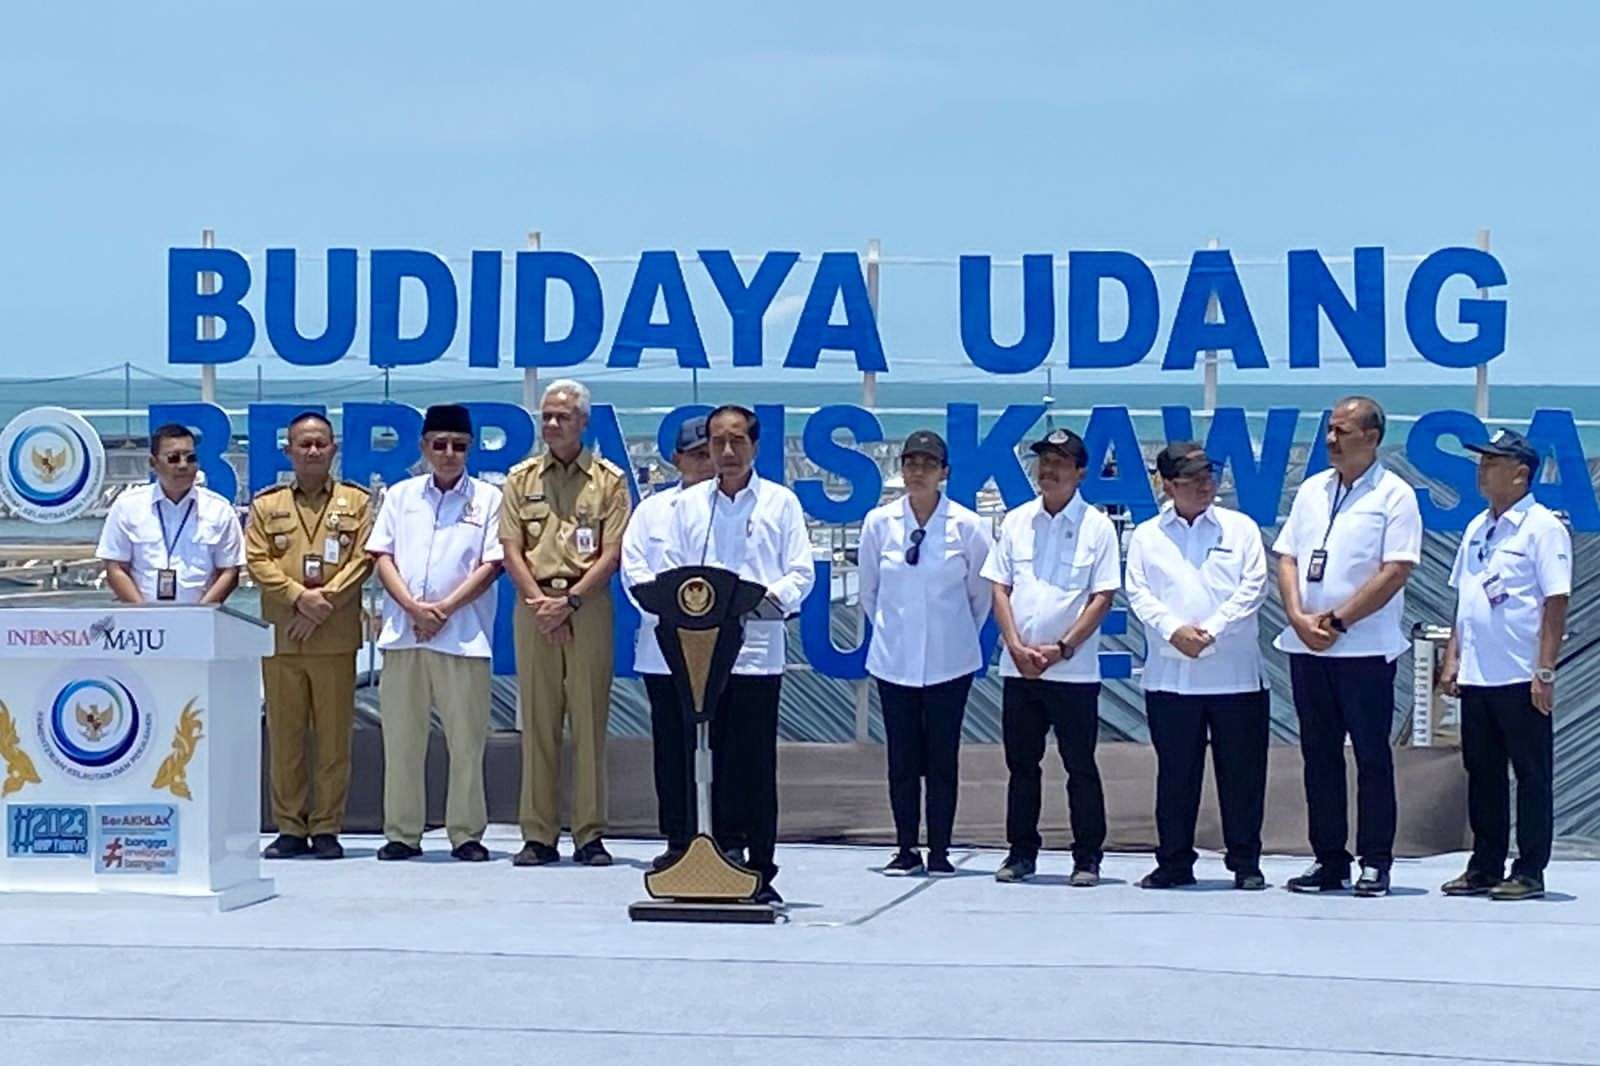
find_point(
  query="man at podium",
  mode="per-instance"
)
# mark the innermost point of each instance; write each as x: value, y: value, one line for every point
x: 754, y: 527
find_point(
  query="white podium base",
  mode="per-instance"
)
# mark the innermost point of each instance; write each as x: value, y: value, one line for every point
x: 228, y: 899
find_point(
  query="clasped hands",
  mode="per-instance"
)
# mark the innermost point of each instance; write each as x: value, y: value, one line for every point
x: 1314, y: 630
x: 311, y: 608
x: 552, y: 615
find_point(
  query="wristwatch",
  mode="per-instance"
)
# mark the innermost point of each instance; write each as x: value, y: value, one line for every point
x: 1336, y: 623
x: 574, y: 600
x: 1545, y: 675
x: 1065, y: 649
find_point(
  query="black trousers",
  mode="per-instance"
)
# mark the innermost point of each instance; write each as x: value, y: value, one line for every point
x: 1499, y: 724
x: 922, y: 732
x: 1236, y: 725
x: 1335, y: 698
x: 1030, y: 709
x: 744, y: 769
x: 672, y: 736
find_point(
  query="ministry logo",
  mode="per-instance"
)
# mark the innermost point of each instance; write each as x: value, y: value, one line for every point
x: 52, y: 465
x: 94, y: 727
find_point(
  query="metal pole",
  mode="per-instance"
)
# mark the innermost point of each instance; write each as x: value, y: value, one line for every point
x: 208, y: 324
x: 127, y: 401
x: 1213, y: 314
x: 1481, y: 397
x: 702, y: 777
x: 869, y: 400
x: 530, y: 375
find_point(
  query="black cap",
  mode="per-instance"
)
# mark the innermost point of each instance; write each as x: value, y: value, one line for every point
x: 447, y: 418
x: 1510, y: 444
x: 693, y: 433
x: 1183, y: 459
x: 1065, y: 443
x: 926, y: 442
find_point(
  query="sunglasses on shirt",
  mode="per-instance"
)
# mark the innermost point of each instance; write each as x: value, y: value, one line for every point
x: 458, y: 446
x: 914, y: 553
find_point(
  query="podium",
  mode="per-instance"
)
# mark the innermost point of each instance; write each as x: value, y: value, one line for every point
x: 130, y: 744
x: 700, y: 612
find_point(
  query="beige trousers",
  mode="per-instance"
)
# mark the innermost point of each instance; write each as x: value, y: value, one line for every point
x: 415, y: 681
x: 310, y: 698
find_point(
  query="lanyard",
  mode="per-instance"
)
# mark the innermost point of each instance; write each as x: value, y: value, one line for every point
x: 161, y: 517
x: 299, y: 514
x: 1339, y: 499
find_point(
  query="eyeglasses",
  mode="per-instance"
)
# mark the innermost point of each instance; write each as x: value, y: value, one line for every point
x: 458, y: 446
x: 914, y: 553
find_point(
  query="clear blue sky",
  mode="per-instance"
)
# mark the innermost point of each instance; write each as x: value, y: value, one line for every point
x: 939, y: 128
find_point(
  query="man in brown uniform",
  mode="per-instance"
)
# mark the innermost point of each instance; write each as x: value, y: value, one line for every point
x: 561, y: 526
x: 304, y: 546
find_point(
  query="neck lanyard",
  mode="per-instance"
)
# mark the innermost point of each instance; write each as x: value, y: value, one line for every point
x: 161, y: 516
x: 1339, y: 498
x: 298, y: 513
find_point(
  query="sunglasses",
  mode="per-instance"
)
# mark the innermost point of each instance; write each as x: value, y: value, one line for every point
x: 174, y: 458
x: 458, y: 446
x: 914, y: 553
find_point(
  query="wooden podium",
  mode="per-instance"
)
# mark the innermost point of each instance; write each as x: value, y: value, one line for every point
x: 130, y: 744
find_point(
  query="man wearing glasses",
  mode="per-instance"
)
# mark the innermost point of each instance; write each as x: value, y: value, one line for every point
x: 1054, y: 568
x: 173, y: 540
x: 437, y: 552
x: 1197, y: 575
x: 561, y: 532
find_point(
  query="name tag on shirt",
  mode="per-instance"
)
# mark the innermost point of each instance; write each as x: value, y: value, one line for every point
x: 330, y: 550
x: 1494, y: 587
x: 1317, y: 565
x: 583, y: 536
x: 166, y: 584
x: 311, y: 571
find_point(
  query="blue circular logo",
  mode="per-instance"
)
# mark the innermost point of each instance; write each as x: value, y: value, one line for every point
x: 94, y: 727
x: 53, y: 465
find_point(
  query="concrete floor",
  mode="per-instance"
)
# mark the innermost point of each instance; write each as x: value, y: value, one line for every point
x: 437, y: 962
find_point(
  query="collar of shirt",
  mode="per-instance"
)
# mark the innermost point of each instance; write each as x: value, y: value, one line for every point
x: 1513, y: 514
x: 1369, y: 480
x: 313, y: 492
x: 940, y: 511
x: 751, y: 491
x: 1171, y: 517
x: 462, y: 487
x: 158, y: 496
x: 582, y: 462
x: 1070, y: 515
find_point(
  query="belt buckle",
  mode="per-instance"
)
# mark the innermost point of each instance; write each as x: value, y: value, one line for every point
x: 559, y: 584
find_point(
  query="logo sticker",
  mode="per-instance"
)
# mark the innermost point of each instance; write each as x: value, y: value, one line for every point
x: 52, y: 465
x: 94, y: 728
x: 136, y: 838
x: 37, y: 832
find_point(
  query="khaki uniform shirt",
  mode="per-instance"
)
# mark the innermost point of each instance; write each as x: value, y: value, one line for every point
x: 288, y: 525
x: 560, y: 516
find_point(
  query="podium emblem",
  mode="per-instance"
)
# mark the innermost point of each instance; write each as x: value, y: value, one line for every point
x: 696, y: 597
x: 94, y: 728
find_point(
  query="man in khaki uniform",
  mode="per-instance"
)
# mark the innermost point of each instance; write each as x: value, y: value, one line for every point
x: 305, y: 547
x: 561, y: 526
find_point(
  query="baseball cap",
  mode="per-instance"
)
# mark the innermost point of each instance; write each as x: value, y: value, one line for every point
x: 693, y: 433
x: 1183, y: 459
x: 1063, y: 442
x: 926, y: 442
x: 1510, y: 444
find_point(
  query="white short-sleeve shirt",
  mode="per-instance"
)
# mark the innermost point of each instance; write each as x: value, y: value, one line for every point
x: 1526, y: 554
x: 925, y: 616
x: 1053, y: 564
x: 1377, y: 522
x: 644, y: 555
x: 437, y: 539
x: 1210, y: 573
x: 196, y: 537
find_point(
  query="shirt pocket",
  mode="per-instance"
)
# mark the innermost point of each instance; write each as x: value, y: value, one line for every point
x: 535, y: 518
x: 1222, y: 570
x: 280, y: 531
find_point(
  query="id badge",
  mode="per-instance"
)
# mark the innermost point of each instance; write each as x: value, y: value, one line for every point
x: 1494, y: 587
x: 330, y: 551
x: 311, y: 571
x: 166, y: 585
x: 584, y: 537
x: 1318, y: 563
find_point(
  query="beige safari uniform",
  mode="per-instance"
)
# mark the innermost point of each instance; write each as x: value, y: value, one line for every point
x: 560, y: 516
x: 310, y: 684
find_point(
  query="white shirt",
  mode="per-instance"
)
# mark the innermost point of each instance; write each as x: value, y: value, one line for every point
x: 644, y: 555
x: 437, y: 539
x: 1377, y: 522
x: 925, y: 618
x: 202, y: 530
x: 761, y: 535
x: 1053, y: 564
x: 1531, y: 553
x: 1210, y: 573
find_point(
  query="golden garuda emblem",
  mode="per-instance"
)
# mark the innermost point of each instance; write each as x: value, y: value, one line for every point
x: 696, y: 597
x: 173, y: 773
x: 20, y: 771
x: 94, y: 721
x: 49, y: 464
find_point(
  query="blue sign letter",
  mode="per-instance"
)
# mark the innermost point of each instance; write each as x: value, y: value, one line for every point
x: 535, y: 271
x: 747, y: 304
x: 388, y: 348
x: 1211, y: 273
x: 1085, y: 272
x: 1038, y: 315
x: 857, y: 467
x: 1489, y: 316
x: 1313, y: 288
x: 658, y: 272
x: 186, y: 306
x: 838, y: 277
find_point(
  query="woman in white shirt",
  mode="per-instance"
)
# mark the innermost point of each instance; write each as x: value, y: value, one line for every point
x: 920, y: 558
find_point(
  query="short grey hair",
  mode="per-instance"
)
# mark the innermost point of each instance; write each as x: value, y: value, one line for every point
x: 567, y: 387
x: 1370, y: 412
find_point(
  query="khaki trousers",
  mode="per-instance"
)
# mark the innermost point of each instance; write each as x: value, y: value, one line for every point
x: 561, y: 683
x: 310, y: 699
x: 415, y: 681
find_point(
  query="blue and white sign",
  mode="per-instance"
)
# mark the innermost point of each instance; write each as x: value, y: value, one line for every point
x: 94, y: 728
x: 45, y: 832
x: 136, y: 838
x: 54, y: 465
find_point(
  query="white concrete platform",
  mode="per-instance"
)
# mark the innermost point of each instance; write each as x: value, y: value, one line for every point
x: 437, y: 962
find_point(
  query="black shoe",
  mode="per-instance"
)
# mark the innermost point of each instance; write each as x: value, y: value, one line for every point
x: 736, y: 856
x: 286, y: 847
x: 906, y: 863
x: 667, y: 858
x: 593, y: 853
x: 1016, y: 868
x: 769, y: 895
x: 1163, y: 878
x: 1250, y: 881
x: 1084, y: 875
x: 1471, y: 883
x: 469, y: 851
x: 1518, y: 886
x: 327, y: 846
x: 1373, y: 882
x: 395, y: 851
x: 1320, y: 878
x: 534, y: 853
x: 939, y: 864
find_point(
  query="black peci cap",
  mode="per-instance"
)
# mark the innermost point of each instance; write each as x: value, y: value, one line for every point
x: 447, y: 418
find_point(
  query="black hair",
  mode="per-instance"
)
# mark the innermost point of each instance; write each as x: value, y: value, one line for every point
x: 170, y: 431
x: 1372, y: 416
x: 752, y: 423
x: 310, y: 416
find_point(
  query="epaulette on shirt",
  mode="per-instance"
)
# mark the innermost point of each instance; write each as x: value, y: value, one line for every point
x: 607, y: 464
x: 523, y: 465
x: 268, y: 491
x: 356, y: 487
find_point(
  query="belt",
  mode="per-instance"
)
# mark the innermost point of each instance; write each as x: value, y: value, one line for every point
x: 556, y: 584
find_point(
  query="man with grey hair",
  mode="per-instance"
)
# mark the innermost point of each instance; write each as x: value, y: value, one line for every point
x: 561, y: 527
x: 1352, y: 537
